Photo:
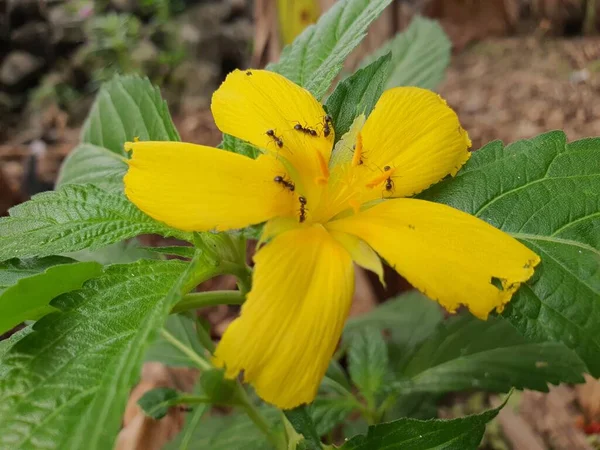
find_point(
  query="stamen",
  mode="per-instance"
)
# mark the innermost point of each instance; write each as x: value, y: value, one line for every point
x: 381, y: 178
x: 324, y: 169
x: 357, y: 158
x: 355, y: 205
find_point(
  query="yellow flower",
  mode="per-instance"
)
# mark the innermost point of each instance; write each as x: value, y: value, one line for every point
x: 324, y: 209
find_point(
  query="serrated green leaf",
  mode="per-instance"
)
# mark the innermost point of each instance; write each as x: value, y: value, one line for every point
x: 464, y: 433
x: 183, y: 329
x: 302, y: 422
x: 316, y: 57
x: 73, y: 218
x: 128, y: 107
x: 89, y: 164
x: 156, y: 402
x: 357, y: 95
x: 232, y: 431
x: 468, y: 353
x: 420, y: 55
x: 367, y: 360
x: 26, y: 287
x: 66, y: 384
x: 545, y: 193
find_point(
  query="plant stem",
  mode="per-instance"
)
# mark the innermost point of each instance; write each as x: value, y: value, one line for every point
x: 195, y: 300
x: 199, y: 360
x: 256, y: 417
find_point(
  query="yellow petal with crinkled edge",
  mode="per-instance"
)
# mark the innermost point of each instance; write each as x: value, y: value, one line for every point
x: 264, y: 108
x: 293, y: 318
x: 197, y: 188
x: 449, y: 255
x: 414, y: 132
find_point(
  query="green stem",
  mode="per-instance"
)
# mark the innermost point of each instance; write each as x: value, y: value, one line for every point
x: 199, y: 360
x: 256, y: 417
x: 195, y: 300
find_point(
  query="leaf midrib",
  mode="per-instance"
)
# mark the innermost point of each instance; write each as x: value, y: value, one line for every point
x: 555, y: 240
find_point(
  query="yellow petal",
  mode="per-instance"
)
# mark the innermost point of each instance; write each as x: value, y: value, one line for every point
x: 449, y: 255
x: 361, y: 253
x: 265, y: 108
x: 414, y: 132
x: 197, y: 188
x: 292, y: 320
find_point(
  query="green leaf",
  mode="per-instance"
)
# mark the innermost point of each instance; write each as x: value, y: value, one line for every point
x: 357, y: 95
x: 73, y: 218
x: 6, y: 345
x: 468, y: 353
x: 328, y: 412
x: 409, y: 319
x: 367, y: 361
x: 420, y: 55
x: 184, y: 440
x: 156, y: 402
x: 128, y: 107
x: 464, y: 433
x: 545, y: 193
x: 66, y: 384
x: 183, y: 329
x: 316, y: 57
x: 235, y: 145
x: 303, y: 424
x: 26, y: 287
x: 232, y: 431
x: 88, y: 164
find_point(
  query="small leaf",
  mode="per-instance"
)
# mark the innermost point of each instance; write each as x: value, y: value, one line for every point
x: 74, y: 372
x: 464, y: 433
x: 468, y: 353
x: 357, y: 95
x: 420, y: 55
x: 89, y: 164
x: 73, y: 218
x: 367, y: 361
x: 183, y: 329
x: 316, y: 57
x: 26, y: 287
x: 303, y: 424
x: 156, y: 402
x: 128, y: 107
x: 545, y: 193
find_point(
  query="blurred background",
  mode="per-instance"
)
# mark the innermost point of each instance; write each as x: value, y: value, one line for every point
x: 518, y: 68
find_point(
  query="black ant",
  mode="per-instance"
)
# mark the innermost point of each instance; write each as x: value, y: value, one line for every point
x: 275, y: 138
x: 305, y: 130
x: 248, y: 72
x: 288, y: 184
x: 328, y: 122
x: 389, y: 183
x: 302, y: 201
